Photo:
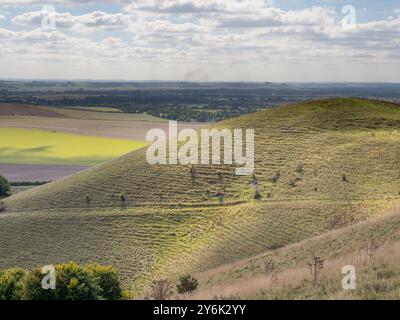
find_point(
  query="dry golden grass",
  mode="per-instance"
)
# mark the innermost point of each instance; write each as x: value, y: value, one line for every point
x: 378, y: 273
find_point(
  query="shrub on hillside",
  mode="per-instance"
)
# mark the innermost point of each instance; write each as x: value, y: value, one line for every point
x: 5, y: 188
x: 160, y: 290
x: 257, y: 195
x: 2, y: 207
x: 73, y: 282
x: 12, y: 284
x: 187, y: 284
x: 122, y: 197
x: 107, y: 278
x: 276, y: 177
x: 88, y: 199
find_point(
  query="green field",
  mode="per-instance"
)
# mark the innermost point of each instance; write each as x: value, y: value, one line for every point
x: 93, y: 114
x: 26, y: 146
x: 328, y: 173
x: 101, y: 109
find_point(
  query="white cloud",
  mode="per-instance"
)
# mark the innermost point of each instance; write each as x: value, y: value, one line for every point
x: 93, y: 20
x: 202, y: 36
x: 26, y: 3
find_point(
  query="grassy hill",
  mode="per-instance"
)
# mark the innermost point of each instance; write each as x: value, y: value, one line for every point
x: 321, y: 166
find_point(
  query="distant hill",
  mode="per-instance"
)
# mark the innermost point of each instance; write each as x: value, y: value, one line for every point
x: 320, y: 165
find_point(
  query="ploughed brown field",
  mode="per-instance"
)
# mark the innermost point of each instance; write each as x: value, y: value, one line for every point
x: 10, y: 109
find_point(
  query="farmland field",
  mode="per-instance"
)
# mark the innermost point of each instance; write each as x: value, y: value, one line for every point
x: 135, y: 130
x: 102, y: 109
x: 48, y: 143
x: 94, y: 113
x: 32, y: 146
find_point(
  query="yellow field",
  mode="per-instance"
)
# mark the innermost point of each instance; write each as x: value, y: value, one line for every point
x: 31, y: 146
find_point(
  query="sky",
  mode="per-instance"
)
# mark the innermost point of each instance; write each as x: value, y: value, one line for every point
x: 201, y: 40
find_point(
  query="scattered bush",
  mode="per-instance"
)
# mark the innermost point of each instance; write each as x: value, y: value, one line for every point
x: 316, y: 265
x: 292, y: 183
x: 2, y: 207
x: 372, y: 248
x: 160, y: 290
x: 5, y: 187
x: 187, y: 284
x: 276, y: 177
x: 344, y: 178
x: 269, y: 266
x: 88, y: 199
x: 271, y: 269
x: 192, y: 174
x: 122, y: 197
x: 257, y: 195
x: 300, y: 168
x: 254, y: 180
x: 219, y: 194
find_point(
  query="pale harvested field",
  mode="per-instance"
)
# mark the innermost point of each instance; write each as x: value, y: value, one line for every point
x: 31, y: 172
x: 135, y: 130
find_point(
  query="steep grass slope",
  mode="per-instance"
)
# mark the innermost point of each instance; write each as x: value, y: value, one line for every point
x: 320, y: 166
x: 372, y: 247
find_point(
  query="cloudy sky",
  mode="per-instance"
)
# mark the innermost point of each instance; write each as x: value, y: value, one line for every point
x: 201, y: 40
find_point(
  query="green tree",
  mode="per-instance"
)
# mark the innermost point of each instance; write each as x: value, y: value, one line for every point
x: 5, y: 187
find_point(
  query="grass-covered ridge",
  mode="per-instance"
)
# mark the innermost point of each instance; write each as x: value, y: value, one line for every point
x: 320, y: 166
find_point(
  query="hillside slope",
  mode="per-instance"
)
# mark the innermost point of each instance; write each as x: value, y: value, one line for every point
x: 372, y: 247
x: 320, y: 166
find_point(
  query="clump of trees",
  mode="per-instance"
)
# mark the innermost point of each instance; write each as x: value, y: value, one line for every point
x: 73, y: 282
x: 5, y: 187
